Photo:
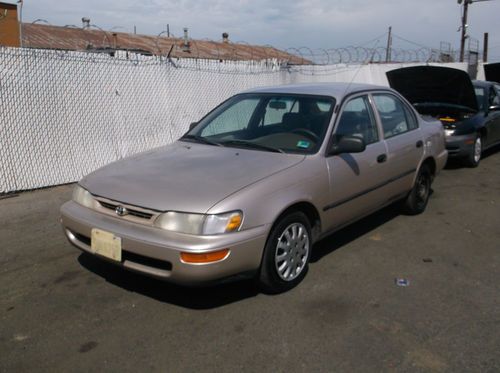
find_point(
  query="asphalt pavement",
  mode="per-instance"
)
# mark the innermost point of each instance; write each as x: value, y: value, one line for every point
x: 64, y: 311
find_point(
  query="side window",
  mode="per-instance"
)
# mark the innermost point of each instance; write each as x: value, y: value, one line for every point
x: 393, y: 115
x: 494, y: 99
x: 480, y: 97
x: 410, y: 118
x: 357, y: 120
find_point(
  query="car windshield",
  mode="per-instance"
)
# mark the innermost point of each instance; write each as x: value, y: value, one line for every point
x: 282, y: 123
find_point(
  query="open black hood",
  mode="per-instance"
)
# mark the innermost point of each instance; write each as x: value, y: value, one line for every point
x: 492, y: 72
x: 433, y: 84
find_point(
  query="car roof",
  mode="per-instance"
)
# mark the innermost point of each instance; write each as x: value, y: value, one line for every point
x: 483, y: 83
x: 337, y: 90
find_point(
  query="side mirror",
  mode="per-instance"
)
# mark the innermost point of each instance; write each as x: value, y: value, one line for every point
x: 348, y: 144
x: 494, y: 108
x: 192, y: 125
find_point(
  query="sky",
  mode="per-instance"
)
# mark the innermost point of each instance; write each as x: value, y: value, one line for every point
x: 286, y: 24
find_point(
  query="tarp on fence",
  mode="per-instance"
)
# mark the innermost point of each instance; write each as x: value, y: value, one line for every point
x: 65, y: 114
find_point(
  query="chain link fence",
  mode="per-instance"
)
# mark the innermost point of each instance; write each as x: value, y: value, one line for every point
x: 64, y: 114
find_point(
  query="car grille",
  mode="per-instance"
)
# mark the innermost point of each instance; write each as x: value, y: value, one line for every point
x: 137, y: 213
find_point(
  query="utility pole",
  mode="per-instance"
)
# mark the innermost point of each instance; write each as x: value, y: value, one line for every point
x: 485, y: 47
x: 464, y: 25
x: 389, y: 45
x: 464, y: 28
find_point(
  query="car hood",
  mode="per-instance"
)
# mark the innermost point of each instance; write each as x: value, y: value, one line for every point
x: 433, y: 84
x: 492, y: 72
x: 184, y: 176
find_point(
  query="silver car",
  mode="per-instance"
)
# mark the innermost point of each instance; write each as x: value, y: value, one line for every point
x: 253, y: 185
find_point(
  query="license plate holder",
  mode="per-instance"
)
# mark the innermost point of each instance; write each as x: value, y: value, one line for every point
x: 106, y: 244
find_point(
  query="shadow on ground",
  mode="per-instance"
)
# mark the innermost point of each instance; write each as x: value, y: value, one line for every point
x: 351, y: 232
x: 200, y: 298
x: 454, y: 163
x: 214, y: 296
x: 491, y: 151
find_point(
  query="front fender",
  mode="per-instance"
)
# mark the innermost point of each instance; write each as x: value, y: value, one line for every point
x: 263, y: 202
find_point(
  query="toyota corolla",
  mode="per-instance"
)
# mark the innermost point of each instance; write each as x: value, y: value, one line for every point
x: 254, y: 184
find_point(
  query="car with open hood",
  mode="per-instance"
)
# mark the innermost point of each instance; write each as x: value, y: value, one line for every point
x: 492, y: 72
x: 469, y: 111
x: 254, y: 184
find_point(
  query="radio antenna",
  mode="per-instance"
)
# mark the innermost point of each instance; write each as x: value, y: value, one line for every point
x: 360, y: 67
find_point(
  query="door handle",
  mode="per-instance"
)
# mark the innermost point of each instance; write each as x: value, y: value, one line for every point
x: 382, y: 158
x: 420, y: 143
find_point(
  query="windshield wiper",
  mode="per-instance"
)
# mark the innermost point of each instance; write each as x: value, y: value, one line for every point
x: 253, y: 145
x: 201, y: 139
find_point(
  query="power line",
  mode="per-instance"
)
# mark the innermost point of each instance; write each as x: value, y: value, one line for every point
x: 374, y: 39
x: 410, y: 42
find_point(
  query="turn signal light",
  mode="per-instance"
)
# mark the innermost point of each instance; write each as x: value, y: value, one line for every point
x: 200, y: 258
x: 234, y: 223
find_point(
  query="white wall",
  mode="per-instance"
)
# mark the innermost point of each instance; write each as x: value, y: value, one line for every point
x: 64, y: 114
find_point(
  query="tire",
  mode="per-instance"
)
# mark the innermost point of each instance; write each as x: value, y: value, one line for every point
x: 286, y: 254
x: 473, y: 159
x: 416, y: 201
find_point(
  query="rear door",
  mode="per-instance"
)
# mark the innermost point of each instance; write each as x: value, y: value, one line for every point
x: 403, y: 141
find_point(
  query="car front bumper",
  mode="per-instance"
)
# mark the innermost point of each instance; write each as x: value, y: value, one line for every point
x: 460, y: 146
x: 156, y: 252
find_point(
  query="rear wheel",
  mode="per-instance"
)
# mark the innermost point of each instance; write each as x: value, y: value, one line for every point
x: 472, y: 160
x: 416, y: 201
x: 286, y: 255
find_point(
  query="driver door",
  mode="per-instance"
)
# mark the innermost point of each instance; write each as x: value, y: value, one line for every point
x: 355, y: 179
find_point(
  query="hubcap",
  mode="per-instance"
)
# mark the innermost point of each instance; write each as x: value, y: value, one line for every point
x: 477, y: 150
x: 292, y: 251
x: 422, y: 189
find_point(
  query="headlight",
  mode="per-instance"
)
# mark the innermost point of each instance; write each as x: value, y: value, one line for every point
x: 200, y: 224
x: 449, y: 132
x: 83, y: 197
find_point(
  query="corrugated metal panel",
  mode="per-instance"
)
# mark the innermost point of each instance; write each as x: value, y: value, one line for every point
x: 72, y: 38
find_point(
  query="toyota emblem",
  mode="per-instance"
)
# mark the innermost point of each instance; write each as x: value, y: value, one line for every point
x: 121, y: 211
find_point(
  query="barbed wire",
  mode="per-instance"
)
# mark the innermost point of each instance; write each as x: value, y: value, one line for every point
x: 165, y: 44
x: 357, y: 54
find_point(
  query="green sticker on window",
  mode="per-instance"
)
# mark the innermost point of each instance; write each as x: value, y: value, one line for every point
x: 303, y: 144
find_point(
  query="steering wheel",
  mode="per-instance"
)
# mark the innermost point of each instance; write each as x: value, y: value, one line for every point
x: 308, y: 133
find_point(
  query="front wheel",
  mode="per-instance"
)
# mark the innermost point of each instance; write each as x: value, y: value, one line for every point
x: 416, y: 201
x: 472, y: 160
x: 286, y: 254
